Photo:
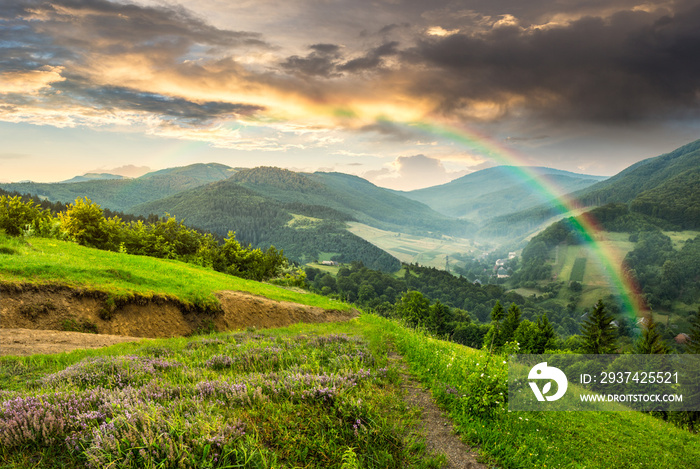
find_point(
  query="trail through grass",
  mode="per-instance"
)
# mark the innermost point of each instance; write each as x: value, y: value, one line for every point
x: 294, y: 396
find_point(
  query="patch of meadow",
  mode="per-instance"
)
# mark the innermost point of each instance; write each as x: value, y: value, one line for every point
x: 472, y: 386
x: 281, y: 398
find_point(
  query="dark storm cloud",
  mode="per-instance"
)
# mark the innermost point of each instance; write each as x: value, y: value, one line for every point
x: 390, y: 131
x: 628, y: 66
x: 120, y: 26
x: 327, y: 49
x: 326, y: 60
x: 116, y: 98
x: 373, y: 59
x: 73, y: 35
x: 320, y: 62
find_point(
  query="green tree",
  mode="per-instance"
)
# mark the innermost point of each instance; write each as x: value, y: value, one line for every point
x: 413, y: 307
x: 693, y: 345
x: 492, y: 336
x: 84, y: 223
x: 650, y: 342
x: 546, y: 336
x: 598, y: 331
x: 438, y: 317
x: 526, y: 335
x: 510, y: 324
x: 16, y: 215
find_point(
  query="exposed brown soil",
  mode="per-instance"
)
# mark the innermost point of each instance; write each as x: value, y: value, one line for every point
x: 437, y: 427
x: 30, y: 342
x: 53, y: 308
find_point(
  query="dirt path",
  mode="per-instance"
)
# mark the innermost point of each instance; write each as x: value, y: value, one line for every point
x: 435, y: 425
x: 29, y: 342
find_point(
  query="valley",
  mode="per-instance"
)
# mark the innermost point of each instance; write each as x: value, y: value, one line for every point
x: 253, y: 339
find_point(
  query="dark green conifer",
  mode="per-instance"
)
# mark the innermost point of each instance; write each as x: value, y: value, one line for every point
x: 598, y: 331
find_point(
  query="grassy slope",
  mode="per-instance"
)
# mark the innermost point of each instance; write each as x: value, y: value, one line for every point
x: 509, y: 439
x: 537, y: 439
x: 513, y: 440
x: 48, y: 261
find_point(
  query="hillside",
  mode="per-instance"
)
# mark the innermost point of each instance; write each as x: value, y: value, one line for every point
x: 501, y: 190
x: 642, y: 176
x: 304, y: 232
x: 663, y: 187
x: 123, y: 194
x: 357, y: 197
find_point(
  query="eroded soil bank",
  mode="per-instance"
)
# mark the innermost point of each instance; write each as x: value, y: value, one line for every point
x: 56, y: 308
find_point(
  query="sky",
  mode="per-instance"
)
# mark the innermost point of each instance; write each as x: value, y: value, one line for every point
x: 590, y: 86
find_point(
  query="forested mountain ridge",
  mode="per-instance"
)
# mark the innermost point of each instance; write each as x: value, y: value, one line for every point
x: 642, y: 176
x: 500, y: 190
x: 123, y: 194
x: 303, y: 231
x: 354, y: 196
x: 664, y: 187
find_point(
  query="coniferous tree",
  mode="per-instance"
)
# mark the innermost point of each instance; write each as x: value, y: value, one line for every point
x: 650, y: 341
x: 438, y: 317
x: 496, y: 315
x: 598, y: 331
x: 510, y: 324
x: 545, y: 334
x: 693, y: 344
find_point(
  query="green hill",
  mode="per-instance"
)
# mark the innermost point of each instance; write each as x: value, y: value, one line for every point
x: 642, y: 176
x: 501, y: 190
x: 663, y: 187
x: 304, y: 232
x: 123, y: 194
x: 357, y: 197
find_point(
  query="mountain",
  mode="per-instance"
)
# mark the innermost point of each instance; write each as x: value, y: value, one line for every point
x: 664, y: 187
x: 650, y: 213
x: 305, y: 232
x: 92, y: 177
x: 643, y: 176
x: 501, y: 190
x: 123, y: 194
x: 357, y: 197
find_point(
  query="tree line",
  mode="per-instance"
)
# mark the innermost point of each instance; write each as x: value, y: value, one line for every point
x: 85, y: 223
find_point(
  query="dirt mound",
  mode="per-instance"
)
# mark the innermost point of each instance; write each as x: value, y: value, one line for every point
x: 39, y: 307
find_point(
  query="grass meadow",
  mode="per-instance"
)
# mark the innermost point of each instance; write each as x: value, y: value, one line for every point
x: 321, y: 395
x: 50, y: 261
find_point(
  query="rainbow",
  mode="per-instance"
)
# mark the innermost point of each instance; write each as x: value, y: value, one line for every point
x: 586, y: 226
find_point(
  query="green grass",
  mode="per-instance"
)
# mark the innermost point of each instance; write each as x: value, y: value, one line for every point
x: 535, y: 439
x: 49, y: 261
x: 678, y: 238
x: 292, y: 397
x: 326, y: 256
x: 284, y: 431
x: 426, y: 251
x: 578, y: 269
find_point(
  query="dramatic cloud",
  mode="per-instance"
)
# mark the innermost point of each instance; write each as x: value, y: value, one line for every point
x: 352, y: 78
x: 634, y: 64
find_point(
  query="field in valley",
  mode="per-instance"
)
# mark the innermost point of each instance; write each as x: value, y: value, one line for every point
x: 429, y: 252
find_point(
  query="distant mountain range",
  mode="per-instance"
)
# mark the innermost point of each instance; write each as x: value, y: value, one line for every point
x: 666, y: 187
x: 92, y: 177
x: 123, y: 194
x: 282, y: 207
x: 498, y: 191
